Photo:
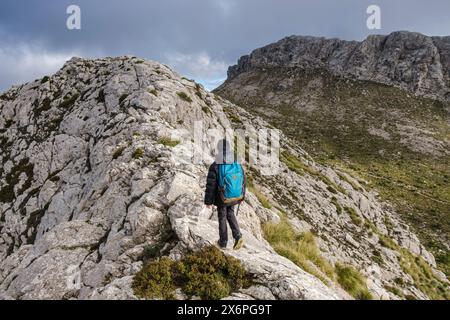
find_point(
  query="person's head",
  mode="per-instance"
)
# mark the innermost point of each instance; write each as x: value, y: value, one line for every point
x: 224, y: 154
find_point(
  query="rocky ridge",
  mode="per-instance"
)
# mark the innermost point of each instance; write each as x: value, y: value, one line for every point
x: 409, y: 60
x: 89, y: 181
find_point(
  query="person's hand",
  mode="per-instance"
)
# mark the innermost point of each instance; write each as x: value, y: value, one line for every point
x: 209, y: 206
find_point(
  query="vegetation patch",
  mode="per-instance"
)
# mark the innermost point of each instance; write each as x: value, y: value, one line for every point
x: 423, y: 276
x: 301, y: 249
x: 198, y: 92
x: 234, y: 118
x: 377, y: 257
x: 153, y: 92
x: 335, y: 202
x: 68, y: 102
x: 167, y: 141
x: 206, y: 110
x: 356, y: 219
x: 353, y: 282
x: 419, y: 270
x: 183, y: 96
x: 394, y: 290
x: 253, y: 188
x: 207, y: 274
x: 118, y: 152
x: 349, y: 181
x: 138, y: 153
x: 387, y: 242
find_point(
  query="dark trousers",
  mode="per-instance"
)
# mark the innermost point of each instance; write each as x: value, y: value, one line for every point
x: 227, y: 214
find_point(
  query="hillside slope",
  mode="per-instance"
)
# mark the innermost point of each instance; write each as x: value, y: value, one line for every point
x: 97, y: 180
x: 372, y: 121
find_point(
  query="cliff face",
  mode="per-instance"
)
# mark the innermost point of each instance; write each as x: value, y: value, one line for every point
x: 408, y: 60
x: 92, y: 178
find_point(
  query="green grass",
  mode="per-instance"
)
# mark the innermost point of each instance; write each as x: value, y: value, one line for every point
x: 261, y: 197
x: 301, y: 249
x: 423, y: 276
x: 255, y: 189
x: 138, y: 153
x: 353, y: 282
x: 377, y: 257
x: 153, y: 92
x: 198, y: 92
x: 419, y: 270
x: 335, y: 202
x: 356, y: 219
x: 232, y: 116
x: 207, y: 274
x: 394, y: 290
x: 168, y: 142
x: 183, y: 96
x: 206, y: 110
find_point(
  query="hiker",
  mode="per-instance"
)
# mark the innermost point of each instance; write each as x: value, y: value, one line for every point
x: 225, y: 187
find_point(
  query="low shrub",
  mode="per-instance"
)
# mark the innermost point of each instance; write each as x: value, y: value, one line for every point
x: 207, y: 273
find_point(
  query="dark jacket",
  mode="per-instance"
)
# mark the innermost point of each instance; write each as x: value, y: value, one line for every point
x: 212, y: 187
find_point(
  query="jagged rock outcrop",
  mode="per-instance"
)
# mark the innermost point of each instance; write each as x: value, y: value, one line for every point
x: 92, y: 175
x: 409, y: 60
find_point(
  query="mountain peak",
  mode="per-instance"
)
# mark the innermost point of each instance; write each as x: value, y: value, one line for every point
x: 409, y: 60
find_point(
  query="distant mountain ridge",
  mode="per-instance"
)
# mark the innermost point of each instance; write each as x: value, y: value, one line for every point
x: 409, y: 60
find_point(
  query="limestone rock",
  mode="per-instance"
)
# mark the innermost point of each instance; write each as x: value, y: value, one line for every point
x: 92, y: 177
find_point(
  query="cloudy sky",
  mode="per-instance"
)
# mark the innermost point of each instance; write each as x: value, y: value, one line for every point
x: 198, y: 38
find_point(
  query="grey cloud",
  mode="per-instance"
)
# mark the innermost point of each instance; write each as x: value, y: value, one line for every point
x: 199, y: 38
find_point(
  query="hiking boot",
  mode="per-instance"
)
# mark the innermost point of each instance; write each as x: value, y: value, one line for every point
x: 238, y: 244
x: 220, y: 245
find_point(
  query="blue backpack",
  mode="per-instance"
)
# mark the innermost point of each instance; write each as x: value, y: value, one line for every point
x: 231, y: 183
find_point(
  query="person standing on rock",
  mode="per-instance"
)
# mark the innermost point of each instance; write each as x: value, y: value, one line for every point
x: 225, y: 188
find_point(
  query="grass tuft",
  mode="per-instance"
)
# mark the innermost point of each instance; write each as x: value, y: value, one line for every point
x: 301, y: 249
x: 138, y: 153
x: 168, y: 142
x: 353, y: 282
x: 183, y: 96
x: 356, y: 219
